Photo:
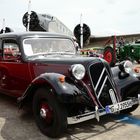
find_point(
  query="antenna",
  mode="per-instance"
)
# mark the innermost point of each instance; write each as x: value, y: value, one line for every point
x: 4, y: 29
x: 81, y: 30
x: 29, y: 13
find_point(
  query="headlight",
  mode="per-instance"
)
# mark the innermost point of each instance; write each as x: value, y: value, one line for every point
x: 126, y: 66
x: 78, y: 71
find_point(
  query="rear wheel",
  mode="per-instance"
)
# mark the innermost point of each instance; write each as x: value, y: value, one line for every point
x: 109, y: 55
x: 50, y: 115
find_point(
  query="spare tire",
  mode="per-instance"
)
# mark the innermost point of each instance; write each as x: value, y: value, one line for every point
x: 109, y: 55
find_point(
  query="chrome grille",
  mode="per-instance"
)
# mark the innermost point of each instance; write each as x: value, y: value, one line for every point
x: 102, y: 84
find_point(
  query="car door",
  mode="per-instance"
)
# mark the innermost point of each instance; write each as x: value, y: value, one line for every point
x: 14, y: 72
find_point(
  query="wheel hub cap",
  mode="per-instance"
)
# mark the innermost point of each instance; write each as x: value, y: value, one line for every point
x: 46, y: 113
x: 43, y: 113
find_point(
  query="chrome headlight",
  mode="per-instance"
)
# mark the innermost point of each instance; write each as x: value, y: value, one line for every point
x: 78, y: 71
x: 126, y: 66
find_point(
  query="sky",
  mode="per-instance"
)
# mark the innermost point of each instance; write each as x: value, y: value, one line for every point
x: 104, y: 17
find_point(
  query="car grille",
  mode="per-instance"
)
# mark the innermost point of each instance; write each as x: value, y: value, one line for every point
x: 103, y: 85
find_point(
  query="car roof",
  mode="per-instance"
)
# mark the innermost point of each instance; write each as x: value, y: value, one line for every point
x: 32, y: 34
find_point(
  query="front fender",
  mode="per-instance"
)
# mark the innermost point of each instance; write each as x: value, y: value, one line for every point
x: 126, y: 83
x: 64, y: 91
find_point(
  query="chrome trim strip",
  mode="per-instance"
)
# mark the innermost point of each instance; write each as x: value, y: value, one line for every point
x: 99, y: 79
x: 112, y: 96
x: 113, y: 85
x: 111, y: 81
x: 102, y: 87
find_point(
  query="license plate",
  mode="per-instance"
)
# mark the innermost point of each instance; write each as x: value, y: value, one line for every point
x: 119, y: 106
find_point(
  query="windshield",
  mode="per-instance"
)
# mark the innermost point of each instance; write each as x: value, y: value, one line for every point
x: 39, y: 46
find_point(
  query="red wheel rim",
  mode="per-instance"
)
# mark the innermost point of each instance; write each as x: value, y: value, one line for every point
x: 46, y: 113
x: 108, y: 56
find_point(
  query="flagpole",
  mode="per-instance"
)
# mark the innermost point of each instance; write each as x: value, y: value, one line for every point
x: 29, y: 13
x: 4, y: 28
x: 81, y: 30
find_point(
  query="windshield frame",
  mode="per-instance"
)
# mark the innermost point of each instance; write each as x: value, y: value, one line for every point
x: 56, y: 52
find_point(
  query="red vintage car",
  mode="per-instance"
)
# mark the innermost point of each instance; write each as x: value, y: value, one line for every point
x: 44, y: 71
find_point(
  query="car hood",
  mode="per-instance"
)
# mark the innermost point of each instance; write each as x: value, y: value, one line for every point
x: 66, y: 59
x: 60, y: 64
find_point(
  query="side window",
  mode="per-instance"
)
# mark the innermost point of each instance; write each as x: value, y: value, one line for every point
x: 10, y: 50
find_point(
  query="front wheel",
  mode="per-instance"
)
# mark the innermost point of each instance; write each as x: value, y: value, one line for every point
x: 50, y: 115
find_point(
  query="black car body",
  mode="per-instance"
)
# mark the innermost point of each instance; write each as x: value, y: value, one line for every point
x: 43, y: 70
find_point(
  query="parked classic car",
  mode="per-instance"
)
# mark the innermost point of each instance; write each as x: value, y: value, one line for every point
x: 43, y: 70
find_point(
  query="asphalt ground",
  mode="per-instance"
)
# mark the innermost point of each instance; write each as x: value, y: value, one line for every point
x: 20, y: 125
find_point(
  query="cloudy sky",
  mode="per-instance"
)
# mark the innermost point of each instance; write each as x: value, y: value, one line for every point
x: 104, y: 17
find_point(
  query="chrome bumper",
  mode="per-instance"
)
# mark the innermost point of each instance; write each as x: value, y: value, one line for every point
x: 84, y: 117
x: 95, y: 114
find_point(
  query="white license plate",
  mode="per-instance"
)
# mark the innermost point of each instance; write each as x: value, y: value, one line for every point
x: 119, y: 106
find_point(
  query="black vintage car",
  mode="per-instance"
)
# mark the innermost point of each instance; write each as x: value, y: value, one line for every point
x: 43, y: 70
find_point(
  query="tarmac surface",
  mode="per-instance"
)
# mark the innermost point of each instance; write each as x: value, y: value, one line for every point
x: 20, y: 125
